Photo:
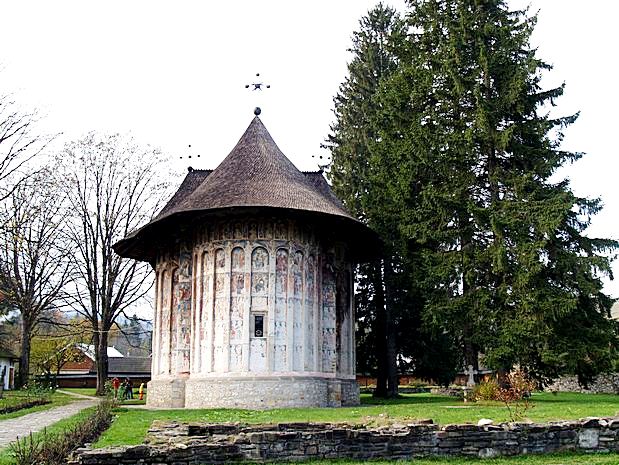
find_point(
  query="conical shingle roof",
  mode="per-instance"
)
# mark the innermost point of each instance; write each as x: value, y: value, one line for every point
x: 256, y: 174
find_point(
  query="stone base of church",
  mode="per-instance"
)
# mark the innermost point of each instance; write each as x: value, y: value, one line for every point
x: 350, y: 392
x: 253, y: 392
x: 166, y: 392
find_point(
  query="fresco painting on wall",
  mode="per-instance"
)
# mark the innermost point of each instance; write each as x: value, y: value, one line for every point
x: 202, y: 322
x: 221, y: 312
x: 310, y: 281
x: 174, y: 317
x: 297, y: 305
x: 183, y: 310
x: 281, y: 293
x: 237, y: 306
x: 164, y: 358
x: 328, y: 316
x: 259, y: 303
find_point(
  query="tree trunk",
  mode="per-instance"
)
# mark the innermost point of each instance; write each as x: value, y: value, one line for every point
x: 392, y: 367
x: 379, y: 328
x: 100, y: 342
x: 24, y: 356
x: 471, y: 356
x: 469, y: 348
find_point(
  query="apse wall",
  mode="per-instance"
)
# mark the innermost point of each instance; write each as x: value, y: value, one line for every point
x: 254, y: 313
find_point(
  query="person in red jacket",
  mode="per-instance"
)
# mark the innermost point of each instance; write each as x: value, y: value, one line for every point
x: 115, y: 385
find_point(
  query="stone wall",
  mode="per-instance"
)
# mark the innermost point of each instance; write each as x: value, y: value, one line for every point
x: 267, y: 392
x: 604, y: 384
x: 189, y: 444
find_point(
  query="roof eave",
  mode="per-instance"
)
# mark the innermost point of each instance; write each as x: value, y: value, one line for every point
x: 139, y: 245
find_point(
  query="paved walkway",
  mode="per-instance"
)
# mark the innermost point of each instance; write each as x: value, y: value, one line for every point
x: 11, y: 429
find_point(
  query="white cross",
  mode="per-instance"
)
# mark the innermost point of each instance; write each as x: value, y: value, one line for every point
x: 471, y: 372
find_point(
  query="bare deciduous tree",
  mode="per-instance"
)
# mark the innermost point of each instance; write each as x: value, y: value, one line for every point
x: 19, y: 143
x: 34, y: 265
x: 113, y: 187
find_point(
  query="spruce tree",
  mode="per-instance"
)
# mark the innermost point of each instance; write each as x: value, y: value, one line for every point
x: 465, y: 152
x: 351, y: 139
x: 389, y: 292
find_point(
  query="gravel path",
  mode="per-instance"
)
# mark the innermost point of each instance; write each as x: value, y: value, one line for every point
x: 11, y: 429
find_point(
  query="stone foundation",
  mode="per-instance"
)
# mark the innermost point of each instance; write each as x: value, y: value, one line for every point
x: 350, y: 393
x: 189, y: 444
x: 166, y: 392
x: 269, y: 392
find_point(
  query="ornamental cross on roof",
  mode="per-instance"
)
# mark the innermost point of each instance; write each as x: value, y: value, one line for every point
x: 257, y: 85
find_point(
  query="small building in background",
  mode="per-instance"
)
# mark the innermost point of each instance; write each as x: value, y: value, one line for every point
x: 84, y: 372
x: 8, y: 368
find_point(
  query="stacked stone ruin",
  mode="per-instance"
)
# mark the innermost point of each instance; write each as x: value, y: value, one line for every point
x: 190, y: 444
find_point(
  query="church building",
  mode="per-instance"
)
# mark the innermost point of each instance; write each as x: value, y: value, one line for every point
x: 254, y: 285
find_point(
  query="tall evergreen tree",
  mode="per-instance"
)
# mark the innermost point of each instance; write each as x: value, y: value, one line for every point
x: 350, y: 143
x: 389, y: 292
x: 465, y: 154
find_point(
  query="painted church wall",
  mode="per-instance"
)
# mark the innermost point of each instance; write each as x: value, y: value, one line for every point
x: 280, y: 335
x: 221, y: 322
x: 298, y: 316
x: 310, y: 312
x: 328, y: 346
x: 182, y: 310
x: 260, y: 289
x: 165, y: 331
x: 238, y: 294
x: 253, y: 297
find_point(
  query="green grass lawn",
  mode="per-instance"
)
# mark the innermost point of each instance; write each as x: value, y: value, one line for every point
x: 83, y: 391
x: 131, y: 426
x: 57, y: 399
x: 92, y: 392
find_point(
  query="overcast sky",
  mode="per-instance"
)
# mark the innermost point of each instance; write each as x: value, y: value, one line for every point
x: 174, y: 74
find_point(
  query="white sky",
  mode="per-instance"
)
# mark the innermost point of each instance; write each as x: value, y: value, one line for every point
x: 173, y: 73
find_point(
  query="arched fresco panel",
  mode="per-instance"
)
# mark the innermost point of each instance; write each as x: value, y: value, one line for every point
x: 164, y: 328
x: 181, y: 311
x: 174, y: 324
x: 259, y: 309
x: 328, y: 346
x: 206, y: 312
x: 310, y: 290
x: 220, y: 313
x: 344, y: 324
x: 281, y: 296
x: 237, y: 305
x: 296, y: 304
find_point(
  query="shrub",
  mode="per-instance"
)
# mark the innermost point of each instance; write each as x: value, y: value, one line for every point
x: 416, y: 383
x: 108, y: 388
x: 39, y: 388
x: 53, y: 449
x: 22, y: 404
x: 517, y: 396
x: 487, y: 390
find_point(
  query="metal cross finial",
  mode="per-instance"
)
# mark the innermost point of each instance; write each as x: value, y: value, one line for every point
x: 257, y: 85
x: 189, y: 156
x: 321, y: 166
